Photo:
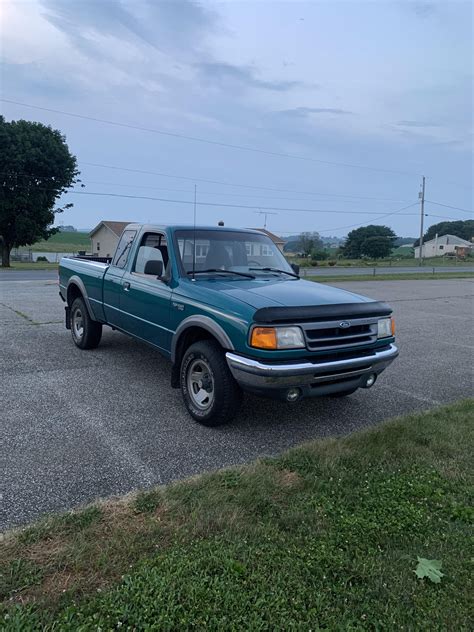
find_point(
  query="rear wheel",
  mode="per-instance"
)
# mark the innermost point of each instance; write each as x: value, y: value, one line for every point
x: 86, y: 333
x: 210, y: 393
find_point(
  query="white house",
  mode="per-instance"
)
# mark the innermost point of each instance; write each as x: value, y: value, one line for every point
x: 446, y: 244
x: 278, y: 241
x: 105, y: 236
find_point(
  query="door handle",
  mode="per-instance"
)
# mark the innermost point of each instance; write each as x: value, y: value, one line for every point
x: 126, y: 286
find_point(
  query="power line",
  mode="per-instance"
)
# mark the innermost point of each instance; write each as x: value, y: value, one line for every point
x: 221, y: 204
x: 220, y: 182
x: 243, y: 195
x: 398, y: 211
x: 223, y: 182
x: 454, y: 219
x: 226, y: 205
x: 190, y: 178
x: 326, y: 230
x: 465, y: 210
x: 207, y: 141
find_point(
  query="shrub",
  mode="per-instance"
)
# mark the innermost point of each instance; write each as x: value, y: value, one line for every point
x: 332, y: 262
x: 42, y: 259
x: 319, y: 255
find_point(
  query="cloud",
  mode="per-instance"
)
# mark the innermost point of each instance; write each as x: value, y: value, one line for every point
x: 163, y: 25
x: 416, y: 124
x: 225, y: 73
x: 178, y: 31
x: 303, y: 112
x: 33, y: 79
x: 424, y: 9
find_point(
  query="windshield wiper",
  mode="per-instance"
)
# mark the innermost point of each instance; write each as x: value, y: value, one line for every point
x: 297, y: 276
x: 242, y: 274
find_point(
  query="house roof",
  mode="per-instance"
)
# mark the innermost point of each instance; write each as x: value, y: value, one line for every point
x: 116, y: 227
x: 452, y: 240
x: 273, y: 237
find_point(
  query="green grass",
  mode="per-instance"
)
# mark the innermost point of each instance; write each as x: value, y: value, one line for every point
x: 395, y: 263
x: 325, y: 536
x: 414, y: 276
x: 62, y: 242
x: 31, y: 265
x: 403, y: 250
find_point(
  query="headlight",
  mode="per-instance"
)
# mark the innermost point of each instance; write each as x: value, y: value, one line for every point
x: 277, y: 338
x: 386, y: 328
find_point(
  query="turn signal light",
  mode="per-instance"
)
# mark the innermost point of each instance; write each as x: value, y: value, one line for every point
x: 393, y: 326
x: 264, y: 338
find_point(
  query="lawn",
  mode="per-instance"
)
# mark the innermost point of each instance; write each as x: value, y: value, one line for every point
x: 62, y: 242
x: 32, y: 265
x: 408, y: 276
x: 325, y: 536
x: 404, y: 262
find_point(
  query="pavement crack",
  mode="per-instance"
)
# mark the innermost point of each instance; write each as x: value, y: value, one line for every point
x: 430, y: 298
x: 21, y: 314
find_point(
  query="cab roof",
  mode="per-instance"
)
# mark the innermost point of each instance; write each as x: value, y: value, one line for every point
x: 176, y: 227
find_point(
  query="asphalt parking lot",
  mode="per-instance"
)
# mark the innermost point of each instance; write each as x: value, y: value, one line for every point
x: 79, y: 425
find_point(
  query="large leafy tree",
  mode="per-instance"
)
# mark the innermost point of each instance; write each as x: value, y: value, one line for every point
x: 367, y: 240
x: 308, y: 242
x: 460, y: 228
x: 36, y: 169
x: 376, y: 247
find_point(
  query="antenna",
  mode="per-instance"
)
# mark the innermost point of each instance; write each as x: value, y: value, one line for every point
x: 194, y: 235
x: 266, y: 213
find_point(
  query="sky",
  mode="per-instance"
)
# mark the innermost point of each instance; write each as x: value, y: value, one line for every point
x: 325, y: 114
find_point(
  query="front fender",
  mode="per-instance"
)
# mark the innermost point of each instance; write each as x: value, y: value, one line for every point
x: 204, y: 322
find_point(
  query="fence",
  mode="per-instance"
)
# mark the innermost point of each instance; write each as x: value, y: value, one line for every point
x: 31, y: 255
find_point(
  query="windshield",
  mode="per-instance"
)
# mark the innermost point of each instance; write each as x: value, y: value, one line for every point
x: 218, y: 250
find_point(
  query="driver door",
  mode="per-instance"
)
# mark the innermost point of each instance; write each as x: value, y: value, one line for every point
x: 146, y: 300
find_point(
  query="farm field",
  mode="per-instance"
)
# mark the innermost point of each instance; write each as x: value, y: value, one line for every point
x: 61, y: 242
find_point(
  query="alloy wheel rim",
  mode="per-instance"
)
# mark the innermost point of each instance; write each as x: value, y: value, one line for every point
x: 200, y: 383
x: 78, y: 323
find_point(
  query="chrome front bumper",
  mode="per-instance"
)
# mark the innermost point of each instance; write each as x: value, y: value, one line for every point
x: 314, y: 378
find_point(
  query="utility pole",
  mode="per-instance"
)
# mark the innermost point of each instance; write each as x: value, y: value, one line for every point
x: 422, y: 217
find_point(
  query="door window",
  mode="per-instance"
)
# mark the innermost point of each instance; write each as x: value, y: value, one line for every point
x: 153, y: 247
x: 123, y: 248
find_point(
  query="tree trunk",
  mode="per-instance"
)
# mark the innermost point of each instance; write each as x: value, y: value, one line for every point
x: 6, y: 249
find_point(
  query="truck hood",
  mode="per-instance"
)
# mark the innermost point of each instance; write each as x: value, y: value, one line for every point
x: 265, y: 292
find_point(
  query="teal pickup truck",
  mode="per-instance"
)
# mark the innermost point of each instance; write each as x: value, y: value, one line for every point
x: 231, y: 314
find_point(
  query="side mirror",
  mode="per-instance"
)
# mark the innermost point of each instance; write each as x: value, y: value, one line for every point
x: 154, y: 267
x: 295, y: 267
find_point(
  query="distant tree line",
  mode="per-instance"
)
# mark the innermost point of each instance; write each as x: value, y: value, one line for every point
x: 460, y: 228
x: 373, y: 241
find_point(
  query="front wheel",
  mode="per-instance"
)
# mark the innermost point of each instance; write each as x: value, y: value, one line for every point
x: 86, y: 333
x: 210, y: 393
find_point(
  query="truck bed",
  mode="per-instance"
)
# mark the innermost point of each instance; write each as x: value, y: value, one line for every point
x: 89, y: 273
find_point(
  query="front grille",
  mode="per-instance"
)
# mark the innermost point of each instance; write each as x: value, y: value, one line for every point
x: 331, y: 335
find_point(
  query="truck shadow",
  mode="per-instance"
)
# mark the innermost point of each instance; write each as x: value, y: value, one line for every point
x: 148, y: 371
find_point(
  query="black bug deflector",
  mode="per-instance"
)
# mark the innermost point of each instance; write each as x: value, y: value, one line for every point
x: 317, y: 313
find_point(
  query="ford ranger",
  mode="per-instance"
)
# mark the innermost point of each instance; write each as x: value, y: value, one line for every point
x: 231, y: 314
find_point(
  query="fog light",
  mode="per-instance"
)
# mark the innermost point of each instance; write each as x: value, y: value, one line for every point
x: 293, y: 394
x: 370, y: 381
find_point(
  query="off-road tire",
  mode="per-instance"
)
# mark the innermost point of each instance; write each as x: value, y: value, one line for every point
x: 88, y: 335
x: 226, y: 393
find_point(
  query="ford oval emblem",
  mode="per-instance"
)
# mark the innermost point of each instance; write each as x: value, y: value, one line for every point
x: 344, y: 324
